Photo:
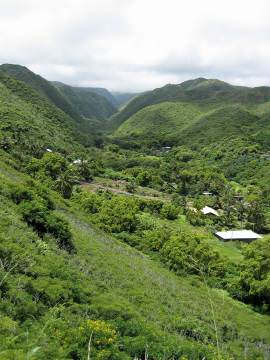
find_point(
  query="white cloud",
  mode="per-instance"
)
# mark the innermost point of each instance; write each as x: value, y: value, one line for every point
x: 138, y: 44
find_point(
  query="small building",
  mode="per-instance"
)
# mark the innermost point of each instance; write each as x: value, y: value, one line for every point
x: 244, y: 235
x: 166, y: 149
x: 208, y: 210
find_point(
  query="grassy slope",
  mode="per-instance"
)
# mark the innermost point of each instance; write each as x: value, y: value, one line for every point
x: 116, y: 277
x: 160, y: 121
x: 41, y: 85
x: 128, y: 274
x: 209, y: 94
x: 30, y: 121
x: 86, y: 105
x: 222, y: 123
x: 190, y: 124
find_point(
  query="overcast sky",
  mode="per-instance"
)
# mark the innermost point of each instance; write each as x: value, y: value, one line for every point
x: 134, y: 45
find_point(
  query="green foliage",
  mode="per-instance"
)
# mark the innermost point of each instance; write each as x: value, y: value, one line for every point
x: 206, y: 93
x: 98, y: 301
x: 38, y: 216
x: 87, y: 169
x: 50, y: 165
x: 187, y: 252
x: 117, y: 215
x: 131, y: 187
x: 169, y: 211
x: 65, y: 182
x: 86, y: 101
x: 255, y: 274
x: 161, y: 123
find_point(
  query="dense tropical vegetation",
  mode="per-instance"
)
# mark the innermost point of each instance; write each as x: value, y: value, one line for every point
x: 104, y: 250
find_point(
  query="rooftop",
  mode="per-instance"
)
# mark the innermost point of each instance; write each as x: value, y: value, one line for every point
x: 238, y: 235
x: 208, y: 210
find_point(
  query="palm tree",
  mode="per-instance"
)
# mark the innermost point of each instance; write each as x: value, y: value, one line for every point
x: 65, y: 182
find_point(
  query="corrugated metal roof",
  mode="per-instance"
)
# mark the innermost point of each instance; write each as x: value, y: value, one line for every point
x: 238, y: 235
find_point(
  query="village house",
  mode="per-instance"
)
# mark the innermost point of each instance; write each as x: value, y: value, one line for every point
x: 243, y: 235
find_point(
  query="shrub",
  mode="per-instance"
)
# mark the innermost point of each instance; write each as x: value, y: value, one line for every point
x: 51, y: 165
x: 34, y: 213
x: 131, y: 187
x: 90, y: 202
x: 42, y: 220
x: 118, y: 214
x: 169, y: 211
x: 59, y: 228
x: 186, y: 252
x: 19, y: 193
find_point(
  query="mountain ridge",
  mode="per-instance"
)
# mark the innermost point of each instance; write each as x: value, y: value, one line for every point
x: 206, y: 92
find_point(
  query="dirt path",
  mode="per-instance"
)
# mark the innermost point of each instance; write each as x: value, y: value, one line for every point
x: 93, y: 187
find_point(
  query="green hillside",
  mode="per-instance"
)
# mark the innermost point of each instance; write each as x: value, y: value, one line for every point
x: 41, y: 85
x: 162, y: 122
x: 51, y: 297
x: 30, y: 123
x: 104, y: 251
x: 88, y: 102
x: 76, y: 102
x: 105, y: 93
x: 204, y: 92
x: 219, y: 124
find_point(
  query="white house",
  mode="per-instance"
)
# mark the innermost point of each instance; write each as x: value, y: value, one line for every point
x: 244, y: 235
x: 208, y: 210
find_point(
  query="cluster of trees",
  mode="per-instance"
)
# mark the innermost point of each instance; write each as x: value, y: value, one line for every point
x: 60, y: 174
x: 51, y: 308
x: 118, y: 213
x: 187, y: 251
x: 38, y: 210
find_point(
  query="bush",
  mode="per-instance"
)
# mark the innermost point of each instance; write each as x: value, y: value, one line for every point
x: 169, y: 211
x: 187, y: 253
x: 42, y: 220
x: 59, y: 228
x: 18, y: 193
x: 50, y: 165
x: 131, y: 187
x: 255, y: 274
x: 118, y: 215
x: 90, y: 202
x: 34, y: 213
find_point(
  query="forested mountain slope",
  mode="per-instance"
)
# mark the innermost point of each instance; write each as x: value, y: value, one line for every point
x: 161, y: 122
x: 92, y: 239
x: 209, y: 94
x: 216, y: 111
x: 41, y: 85
x: 88, y: 102
x: 74, y: 101
x: 30, y: 123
